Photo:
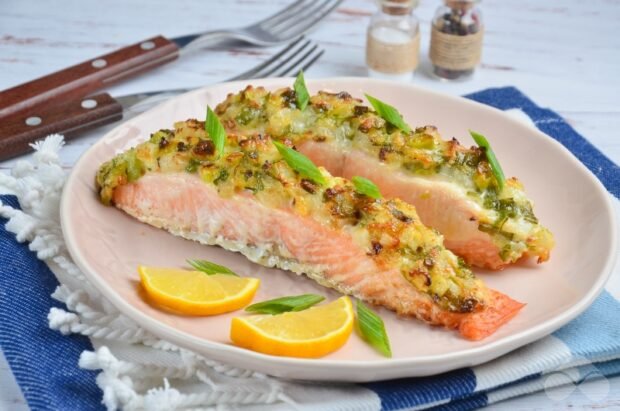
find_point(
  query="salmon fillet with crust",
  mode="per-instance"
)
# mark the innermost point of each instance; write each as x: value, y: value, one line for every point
x: 249, y: 200
x: 451, y: 186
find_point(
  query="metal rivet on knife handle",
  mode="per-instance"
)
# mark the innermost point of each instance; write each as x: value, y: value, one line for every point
x: 99, y: 63
x: 147, y: 45
x: 82, y: 79
x: 89, y: 103
x: 63, y: 117
x: 33, y: 121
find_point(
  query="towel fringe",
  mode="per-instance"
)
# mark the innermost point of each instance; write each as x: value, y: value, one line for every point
x: 125, y: 384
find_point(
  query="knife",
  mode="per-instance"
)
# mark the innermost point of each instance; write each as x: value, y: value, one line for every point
x: 84, y: 78
x: 72, y: 117
x: 69, y: 118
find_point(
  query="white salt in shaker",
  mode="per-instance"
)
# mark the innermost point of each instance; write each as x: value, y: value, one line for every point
x: 393, y: 41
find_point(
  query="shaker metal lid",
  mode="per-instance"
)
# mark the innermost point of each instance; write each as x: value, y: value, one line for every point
x: 461, y: 4
x: 398, y: 7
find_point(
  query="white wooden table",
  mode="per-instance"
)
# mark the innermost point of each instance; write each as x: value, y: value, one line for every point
x: 563, y: 54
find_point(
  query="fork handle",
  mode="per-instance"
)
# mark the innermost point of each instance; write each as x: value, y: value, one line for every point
x: 91, y: 75
x: 19, y: 130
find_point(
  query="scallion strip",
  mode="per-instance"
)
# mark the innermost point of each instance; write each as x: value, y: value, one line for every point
x: 366, y: 187
x: 388, y: 113
x: 285, y: 304
x: 301, y: 91
x: 210, y: 268
x: 300, y: 163
x: 372, y: 329
x: 215, y: 130
x: 484, y: 144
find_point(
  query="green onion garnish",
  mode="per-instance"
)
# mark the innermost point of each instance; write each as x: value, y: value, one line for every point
x: 135, y: 167
x: 372, y: 329
x: 216, y: 131
x: 366, y: 187
x: 388, y: 113
x: 484, y: 144
x: 300, y: 163
x: 285, y: 304
x: 301, y: 91
x: 192, y: 165
x: 210, y: 268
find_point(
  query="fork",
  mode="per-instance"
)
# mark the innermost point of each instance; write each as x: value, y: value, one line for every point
x: 73, y: 117
x: 87, y: 77
x: 304, y: 52
x: 289, y: 23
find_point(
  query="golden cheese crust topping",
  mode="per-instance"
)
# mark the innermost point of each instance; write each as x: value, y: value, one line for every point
x: 389, y: 230
x: 340, y: 119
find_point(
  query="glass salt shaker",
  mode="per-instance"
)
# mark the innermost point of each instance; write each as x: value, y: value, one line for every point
x: 393, y: 41
x: 456, y: 39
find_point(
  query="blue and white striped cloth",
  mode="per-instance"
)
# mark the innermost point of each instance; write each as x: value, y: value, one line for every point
x: 44, y: 362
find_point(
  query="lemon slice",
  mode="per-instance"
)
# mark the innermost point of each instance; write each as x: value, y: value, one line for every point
x: 311, y: 333
x: 196, y: 293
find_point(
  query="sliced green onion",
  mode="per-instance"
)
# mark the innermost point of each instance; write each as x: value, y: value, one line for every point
x: 135, y: 167
x: 216, y: 131
x: 301, y: 91
x: 366, y: 187
x: 300, y: 163
x: 372, y: 329
x: 285, y: 304
x: 484, y: 144
x: 388, y: 113
x: 192, y: 165
x: 210, y: 268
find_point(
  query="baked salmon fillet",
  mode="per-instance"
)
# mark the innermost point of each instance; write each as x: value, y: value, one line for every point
x: 451, y: 186
x: 247, y: 199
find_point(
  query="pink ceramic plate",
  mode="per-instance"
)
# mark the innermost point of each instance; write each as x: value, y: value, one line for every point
x: 108, y: 245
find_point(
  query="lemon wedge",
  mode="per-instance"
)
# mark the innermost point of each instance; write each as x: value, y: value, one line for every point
x: 196, y: 293
x: 311, y: 333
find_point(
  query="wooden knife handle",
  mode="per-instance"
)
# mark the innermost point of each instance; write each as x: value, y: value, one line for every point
x: 19, y: 130
x: 84, y: 78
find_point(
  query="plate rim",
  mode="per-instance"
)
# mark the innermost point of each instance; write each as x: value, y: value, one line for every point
x: 375, y: 370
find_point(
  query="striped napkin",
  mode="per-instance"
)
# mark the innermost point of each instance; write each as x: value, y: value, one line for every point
x: 70, y: 349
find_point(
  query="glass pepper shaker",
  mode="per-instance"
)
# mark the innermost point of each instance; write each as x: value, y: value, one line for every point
x: 456, y: 39
x: 393, y: 41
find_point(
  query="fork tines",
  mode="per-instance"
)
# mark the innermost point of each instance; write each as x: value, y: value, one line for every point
x: 298, y: 18
x: 298, y: 55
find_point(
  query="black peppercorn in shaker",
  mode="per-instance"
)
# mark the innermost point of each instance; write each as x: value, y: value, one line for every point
x: 456, y: 39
